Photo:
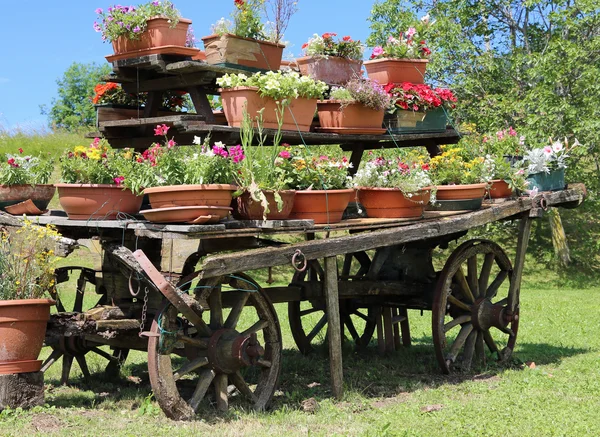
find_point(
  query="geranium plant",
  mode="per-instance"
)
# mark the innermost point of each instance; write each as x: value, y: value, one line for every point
x: 325, y: 46
x: 281, y: 86
x: 408, y: 45
x: 550, y: 157
x: 420, y: 97
x: 364, y: 91
x: 27, y: 261
x: 20, y: 169
x: 455, y: 167
x: 393, y: 173
x: 114, y: 94
x: 131, y: 21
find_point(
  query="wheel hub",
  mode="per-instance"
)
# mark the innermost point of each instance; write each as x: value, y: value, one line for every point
x: 229, y: 351
x: 74, y: 345
x: 485, y: 314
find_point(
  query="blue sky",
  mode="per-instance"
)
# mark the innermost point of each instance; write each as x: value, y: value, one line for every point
x: 36, y: 52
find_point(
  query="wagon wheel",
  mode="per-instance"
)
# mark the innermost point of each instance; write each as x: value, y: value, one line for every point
x: 234, y: 354
x: 466, y: 308
x: 308, y: 325
x: 72, y: 347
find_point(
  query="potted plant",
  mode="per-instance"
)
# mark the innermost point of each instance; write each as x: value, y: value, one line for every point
x: 183, y: 181
x: 264, y: 192
x: 401, y: 59
x: 265, y: 92
x: 460, y: 176
x: 27, y: 263
x: 113, y: 103
x: 333, y: 62
x: 358, y: 107
x: 419, y: 108
x: 546, y: 165
x: 152, y: 27
x: 321, y: 184
x: 245, y: 41
x: 24, y: 177
x: 390, y: 188
x: 96, y: 182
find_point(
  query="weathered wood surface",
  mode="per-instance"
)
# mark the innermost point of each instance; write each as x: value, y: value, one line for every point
x: 334, y: 332
x: 151, y: 121
x: 21, y: 390
x: 423, y: 230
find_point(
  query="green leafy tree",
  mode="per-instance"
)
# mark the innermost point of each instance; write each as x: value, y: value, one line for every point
x: 73, y: 107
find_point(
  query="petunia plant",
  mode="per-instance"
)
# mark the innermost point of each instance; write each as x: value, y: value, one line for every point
x: 382, y: 172
x: 408, y: 45
x: 21, y: 169
x: 325, y: 45
x: 367, y: 92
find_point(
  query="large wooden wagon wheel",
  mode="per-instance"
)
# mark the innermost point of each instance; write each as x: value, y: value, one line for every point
x: 471, y: 314
x: 73, y: 347
x: 308, y: 320
x: 230, y: 348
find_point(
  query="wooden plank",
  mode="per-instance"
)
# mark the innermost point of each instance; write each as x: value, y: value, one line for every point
x: 388, y: 329
x: 151, y: 121
x: 515, y: 284
x: 334, y: 328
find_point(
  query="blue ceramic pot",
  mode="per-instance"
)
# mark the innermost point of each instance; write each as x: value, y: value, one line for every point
x: 553, y: 181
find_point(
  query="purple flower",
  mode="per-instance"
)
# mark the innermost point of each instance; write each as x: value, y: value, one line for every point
x: 110, y: 9
x: 99, y: 11
x: 155, y: 3
x: 97, y: 27
x: 120, y: 23
x: 137, y: 29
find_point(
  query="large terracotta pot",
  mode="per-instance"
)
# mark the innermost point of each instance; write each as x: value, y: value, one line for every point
x: 40, y: 194
x: 392, y: 203
x: 298, y: 115
x: 22, y: 332
x: 353, y: 116
x: 97, y: 201
x: 171, y: 196
x: 500, y: 189
x: 322, y: 206
x: 230, y: 50
x: 397, y: 70
x: 332, y: 70
x: 460, y: 192
x: 248, y: 209
x: 158, y: 33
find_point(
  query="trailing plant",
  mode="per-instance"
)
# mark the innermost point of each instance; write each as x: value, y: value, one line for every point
x: 131, y: 21
x: 25, y: 169
x: 393, y: 173
x: 325, y: 46
x: 364, y: 91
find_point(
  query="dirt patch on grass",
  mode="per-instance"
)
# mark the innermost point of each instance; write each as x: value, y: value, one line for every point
x: 46, y: 423
x: 388, y: 402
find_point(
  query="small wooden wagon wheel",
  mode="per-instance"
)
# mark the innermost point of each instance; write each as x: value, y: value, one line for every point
x: 73, y: 347
x: 233, y: 354
x: 309, y: 325
x: 471, y: 314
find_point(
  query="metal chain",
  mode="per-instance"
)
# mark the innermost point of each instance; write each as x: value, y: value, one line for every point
x: 144, y: 311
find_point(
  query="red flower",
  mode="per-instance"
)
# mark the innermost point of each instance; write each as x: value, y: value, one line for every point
x: 21, y: 150
x: 239, y: 3
x: 347, y: 38
x: 329, y: 35
x: 425, y: 167
x: 12, y: 163
x: 305, y: 45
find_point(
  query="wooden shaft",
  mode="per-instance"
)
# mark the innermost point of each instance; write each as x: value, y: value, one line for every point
x: 334, y: 327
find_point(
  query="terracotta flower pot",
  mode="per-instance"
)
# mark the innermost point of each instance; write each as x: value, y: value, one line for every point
x: 22, y: 333
x: 322, y: 206
x: 392, y: 203
x: 354, y: 115
x: 388, y: 70
x: 248, y: 209
x: 157, y: 34
x: 299, y: 111
x: 190, y: 195
x: 460, y: 192
x: 97, y: 201
x: 332, y: 70
x: 500, y: 189
x: 230, y: 51
x: 40, y: 194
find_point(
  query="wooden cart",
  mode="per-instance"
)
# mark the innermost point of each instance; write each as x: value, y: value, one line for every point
x: 210, y: 328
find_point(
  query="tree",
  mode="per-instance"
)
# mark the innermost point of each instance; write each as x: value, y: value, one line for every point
x: 73, y: 107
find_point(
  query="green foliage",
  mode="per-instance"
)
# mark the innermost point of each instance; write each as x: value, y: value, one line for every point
x: 73, y: 107
x: 325, y: 46
x: 25, y: 169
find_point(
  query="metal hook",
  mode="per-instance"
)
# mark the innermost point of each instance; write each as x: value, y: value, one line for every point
x: 299, y: 265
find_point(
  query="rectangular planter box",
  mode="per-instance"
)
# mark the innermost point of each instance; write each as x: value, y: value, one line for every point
x: 233, y: 51
x: 553, y: 181
x: 430, y: 121
x: 110, y: 112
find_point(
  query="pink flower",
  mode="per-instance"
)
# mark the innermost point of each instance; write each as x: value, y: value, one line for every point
x: 512, y: 132
x: 285, y: 154
x: 95, y: 143
x: 548, y: 150
x: 236, y: 154
x: 220, y: 151
x: 171, y: 144
x: 500, y: 134
x: 161, y: 130
x: 377, y: 51
x: 411, y: 32
x: 119, y: 180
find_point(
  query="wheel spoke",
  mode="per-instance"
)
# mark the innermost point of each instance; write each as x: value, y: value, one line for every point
x: 238, y: 380
x: 81, y: 282
x: 204, y: 381
x: 479, y: 351
x: 496, y: 283
x: 362, y: 316
x: 264, y: 363
x: 221, y: 392
x: 190, y: 367
x: 317, y: 328
x: 55, y: 355
x: 216, y: 308
x: 469, y: 350
x: 459, y: 341
x: 66, y: 368
x: 458, y: 321
x: 491, y: 344
x: 103, y: 354
x: 458, y: 303
x: 261, y: 324
x: 351, y: 329
x: 486, y: 269
x: 310, y: 311
x: 472, y: 275
x: 196, y: 342
x: 234, y: 316
x: 463, y: 284
x: 83, y: 366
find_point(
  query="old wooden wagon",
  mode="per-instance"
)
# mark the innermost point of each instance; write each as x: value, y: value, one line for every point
x: 211, y: 328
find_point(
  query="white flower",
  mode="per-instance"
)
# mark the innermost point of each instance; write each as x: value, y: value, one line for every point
x: 197, y: 140
x: 557, y: 146
x: 219, y: 144
x: 425, y: 19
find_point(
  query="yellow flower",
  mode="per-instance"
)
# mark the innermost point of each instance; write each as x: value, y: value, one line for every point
x: 79, y: 150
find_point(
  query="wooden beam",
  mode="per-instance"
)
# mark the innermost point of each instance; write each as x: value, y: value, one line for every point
x: 334, y: 329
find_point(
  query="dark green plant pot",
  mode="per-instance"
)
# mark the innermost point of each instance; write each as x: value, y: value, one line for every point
x: 553, y: 181
x: 456, y: 205
x: 434, y: 121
